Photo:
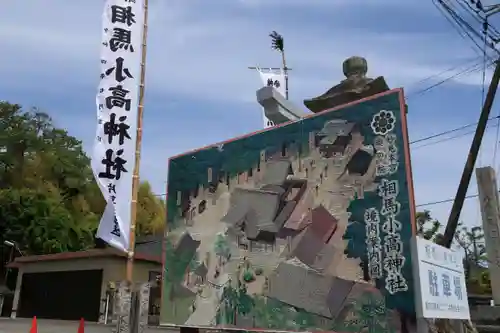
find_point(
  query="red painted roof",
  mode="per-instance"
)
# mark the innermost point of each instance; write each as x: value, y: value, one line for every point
x: 323, y: 223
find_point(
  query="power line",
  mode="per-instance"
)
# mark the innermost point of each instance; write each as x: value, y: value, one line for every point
x: 469, y: 70
x: 467, y: 28
x: 432, y: 203
x: 470, y: 60
x: 452, y: 19
x: 452, y: 138
x: 449, y: 131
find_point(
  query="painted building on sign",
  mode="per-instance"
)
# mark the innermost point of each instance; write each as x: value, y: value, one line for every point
x: 303, y: 226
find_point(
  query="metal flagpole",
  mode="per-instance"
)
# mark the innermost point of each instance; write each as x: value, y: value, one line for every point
x: 135, y: 176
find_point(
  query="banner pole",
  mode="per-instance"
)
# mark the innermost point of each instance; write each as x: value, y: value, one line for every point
x: 135, y: 177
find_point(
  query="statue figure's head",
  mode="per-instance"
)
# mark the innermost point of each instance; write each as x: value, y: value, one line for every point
x: 355, y: 66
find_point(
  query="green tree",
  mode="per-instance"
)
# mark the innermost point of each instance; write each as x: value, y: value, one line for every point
x: 45, y: 176
x: 151, y: 212
x: 40, y: 223
x: 305, y: 320
x: 221, y: 247
x: 427, y: 227
x: 470, y: 241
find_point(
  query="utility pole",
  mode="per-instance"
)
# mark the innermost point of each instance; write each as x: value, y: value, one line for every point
x: 490, y: 213
x: 458, y: 203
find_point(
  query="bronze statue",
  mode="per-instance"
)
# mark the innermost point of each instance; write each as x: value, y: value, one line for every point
x: 356, y: 86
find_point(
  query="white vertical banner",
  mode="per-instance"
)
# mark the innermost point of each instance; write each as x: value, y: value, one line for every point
x: 113, y: 156
x: 272, y: 78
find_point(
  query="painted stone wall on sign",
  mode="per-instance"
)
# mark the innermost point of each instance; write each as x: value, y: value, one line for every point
x: 305, y: 226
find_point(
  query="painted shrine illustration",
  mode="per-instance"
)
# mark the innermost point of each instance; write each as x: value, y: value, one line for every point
x: 304, y: 226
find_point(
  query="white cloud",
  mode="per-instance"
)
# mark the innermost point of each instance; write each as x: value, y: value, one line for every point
x: 191, y: 53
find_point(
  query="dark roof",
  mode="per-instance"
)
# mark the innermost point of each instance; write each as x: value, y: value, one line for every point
x: 310, y: 250
x: 93, y: 253
x: 323, y: 223
x: 254, y: 211
x: 285, y: 214
x: 336, y: 127
x: 149, y: 245
x: 359, y: 162
x: 313, y: 292
x: 186, y: 247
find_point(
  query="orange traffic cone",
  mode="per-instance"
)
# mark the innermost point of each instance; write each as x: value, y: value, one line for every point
x: 34, y: 328
x: 81, y: 327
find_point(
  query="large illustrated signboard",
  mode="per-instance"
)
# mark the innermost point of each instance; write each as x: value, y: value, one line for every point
x: 305, y: 226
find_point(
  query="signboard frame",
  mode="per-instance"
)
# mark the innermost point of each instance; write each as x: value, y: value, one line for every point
x: 431, y: 259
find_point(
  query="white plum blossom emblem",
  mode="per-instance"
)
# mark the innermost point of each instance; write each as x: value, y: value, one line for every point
x: 383, y: 122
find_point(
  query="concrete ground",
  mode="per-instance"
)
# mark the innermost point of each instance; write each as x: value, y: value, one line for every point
x: 22, y: 325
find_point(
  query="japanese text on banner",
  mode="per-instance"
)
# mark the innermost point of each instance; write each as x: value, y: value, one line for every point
x: 113, y: 157
x: 275, y: 79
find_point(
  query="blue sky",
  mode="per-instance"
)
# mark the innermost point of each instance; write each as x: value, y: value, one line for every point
x: 199, y: 90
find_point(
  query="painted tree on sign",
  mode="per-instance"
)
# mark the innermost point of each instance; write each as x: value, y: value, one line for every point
x: 221, y: 246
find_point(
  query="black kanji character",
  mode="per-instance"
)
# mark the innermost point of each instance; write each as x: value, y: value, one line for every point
x: 122, y: 15
x: 270, y: 82
x: 371, y: 216
x: 375, y: 257
x: 391, y: 225
x: 433, y: 283
x: 373, y: 244
x: 390, y: 206
x: 122, y: 39
x: 111, y: 188
x: 445, y: 279
x: 117, y: 165
x: 388, y: 188
x: 119, y: 71
x: 113, y: 199
x: 117, y: 98
x: 374, y: 270
x: 116, y: 228
x: 457, y: 287
x: 372, y: 231
x: 112, y: 129
x: 395, y: 282
x: 393, y: 244
x: 277, y: 84
x: 394, y: 262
